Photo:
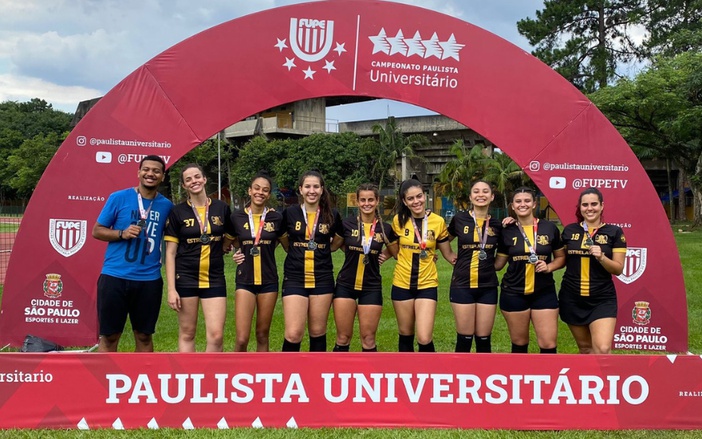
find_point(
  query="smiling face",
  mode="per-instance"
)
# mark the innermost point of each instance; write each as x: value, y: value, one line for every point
x: 367, y: 202
x: 415, y: 201
x: 260, y: 191
x: 311, y: 190
x: 591, y: 208
x: 151, y: 174
x: 523, y: 204
x: 193, y: 181
x: 481, y: 194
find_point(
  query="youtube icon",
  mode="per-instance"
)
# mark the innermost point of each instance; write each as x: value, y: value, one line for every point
x: 103, y: 157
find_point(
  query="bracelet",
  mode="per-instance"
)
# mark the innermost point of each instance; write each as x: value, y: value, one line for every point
x: 120, y: 235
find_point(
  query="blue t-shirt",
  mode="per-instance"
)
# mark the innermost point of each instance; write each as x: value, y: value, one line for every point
x: 138, y: 258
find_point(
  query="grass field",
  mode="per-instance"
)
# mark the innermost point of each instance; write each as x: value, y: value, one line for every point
x: 690, y: 248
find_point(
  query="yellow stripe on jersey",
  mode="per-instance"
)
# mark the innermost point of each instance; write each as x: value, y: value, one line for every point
x: 474, y: 261
x: 309, y: 254
x: 530, y: 269
x: 204, y: 273
x: 585, y: 276
x: 257, y: 274
x: 360, y: 266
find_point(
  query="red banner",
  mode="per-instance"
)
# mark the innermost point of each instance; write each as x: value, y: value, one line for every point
x: 338, y: 48
x: 492, y: 391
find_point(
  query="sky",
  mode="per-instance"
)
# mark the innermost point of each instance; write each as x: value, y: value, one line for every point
x: 67, y: 51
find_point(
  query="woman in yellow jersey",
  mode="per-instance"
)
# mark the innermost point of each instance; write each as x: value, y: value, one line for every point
x: 258, y: 230
x: 534, y: 250
x: 308, y: 282
x: 359, y: 287
x: 198, y: 232
x: 415, y: 281
x: 595, y: 252
x: 473, y: 292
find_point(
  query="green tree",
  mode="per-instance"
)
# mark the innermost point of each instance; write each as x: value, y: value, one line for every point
x: 27, y: 163
x: 20, y: 122
x: 468, y: 165
x: 584, y: 40
x: 661, y: 109
x: 505, y: 174
x: 392, y: 145
x: 673, y: 26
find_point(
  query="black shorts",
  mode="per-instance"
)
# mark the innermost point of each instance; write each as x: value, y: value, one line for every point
x: 583, y: 310
x: 543, y: 299
x: 466, y: 296
x: 307, y: 292
x: 203, y: 293
x: 258, y: 289
x: 363, y: 297
x: 401, y: 294
x: 117, y: 298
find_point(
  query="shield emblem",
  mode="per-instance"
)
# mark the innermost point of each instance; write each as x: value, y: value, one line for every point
x: 67, y: 236
x: 634, y: 264
x: 311, y: 39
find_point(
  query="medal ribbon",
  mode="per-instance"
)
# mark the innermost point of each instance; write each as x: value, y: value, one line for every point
x: 144, y: 214
x: 587, y: 232
x: 203, y: 227
x: 482, y: 232
x: 256, y: 235
x: 314, y: 226
x: 423, y: 239
x: 367, y: 245
x: 532, y: 249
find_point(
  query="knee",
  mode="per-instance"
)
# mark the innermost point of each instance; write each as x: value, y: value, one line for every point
x: 294, y: 336
x: 215, y: 337
x: 368, y: 340
x: 142, y: 338
x: 424, y: 338
x: 342, y: 339
x: 262, y: 337
x: 187, y: 333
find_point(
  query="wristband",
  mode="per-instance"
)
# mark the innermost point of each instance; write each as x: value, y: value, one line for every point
x: 120, y: 235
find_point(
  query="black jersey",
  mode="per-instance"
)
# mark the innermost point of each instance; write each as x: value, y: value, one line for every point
x: 355, y: 274
x: 199, y: 265
x: 305, y: 267
x: 411, y: 271
x: 470, y: 271
x: 521, y: 276
x: 584, y: 275
x: 258, y: 269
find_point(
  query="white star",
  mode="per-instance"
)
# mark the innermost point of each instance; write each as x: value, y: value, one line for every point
x: 328, y: 66
x: 451, y: 48
x: 432, y: 46
x: 281, y: 44
x: 309, y: 73
x: 397, y: 44
x: 153, y: 425
x: 289, y: 63
x: 380, y: 42
x: 222, y: 424
x: 340, y: 48
x: 257, y: 423
x: 188, y: 425
x: 414, y: 46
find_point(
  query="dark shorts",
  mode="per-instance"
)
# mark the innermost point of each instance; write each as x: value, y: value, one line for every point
x: 258, y: 289
x: 203, y: 293
x: 363, y: 297
x: 307, y: 292
x: 117, y: 298
x: 583, y: 310
x: 401, y: 294
x: 466, y: 296
x: 544, y: 299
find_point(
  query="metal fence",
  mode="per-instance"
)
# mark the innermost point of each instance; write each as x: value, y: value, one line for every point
x: 9, y: 224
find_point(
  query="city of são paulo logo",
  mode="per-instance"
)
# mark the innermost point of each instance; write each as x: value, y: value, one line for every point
x: 641, y: 314
x: 53, y: 286
x: 310, y: 41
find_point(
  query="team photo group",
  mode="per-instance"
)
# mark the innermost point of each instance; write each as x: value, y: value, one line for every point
x: 201, y: 235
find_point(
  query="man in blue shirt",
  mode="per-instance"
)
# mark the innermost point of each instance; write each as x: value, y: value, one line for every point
x: 130, y: 284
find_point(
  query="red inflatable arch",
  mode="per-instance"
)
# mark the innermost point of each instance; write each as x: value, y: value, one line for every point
x: 337, y: 48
